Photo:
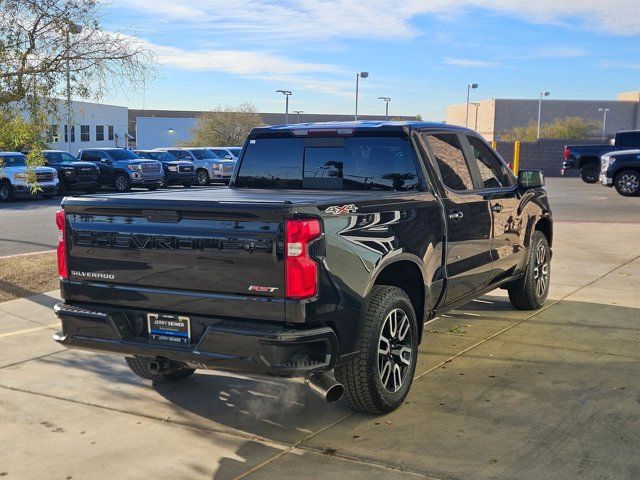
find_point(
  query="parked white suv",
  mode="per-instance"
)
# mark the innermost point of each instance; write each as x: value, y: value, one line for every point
x: 209, y: 168
x: 14, y: 178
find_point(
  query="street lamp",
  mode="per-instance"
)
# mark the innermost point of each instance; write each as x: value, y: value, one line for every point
x: 286, y: 94
x: 358, y: 76
x: 298, y: 112
x: 542, y: 94
x: 386, y: 106
x: 469, y: 87
x: 75, y: 29
x: 604, y: 121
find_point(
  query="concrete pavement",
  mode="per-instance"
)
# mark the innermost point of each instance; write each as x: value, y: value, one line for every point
x: 498, y: 394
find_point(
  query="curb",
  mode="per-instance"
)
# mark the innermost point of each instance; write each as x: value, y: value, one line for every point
x: 27, y: 254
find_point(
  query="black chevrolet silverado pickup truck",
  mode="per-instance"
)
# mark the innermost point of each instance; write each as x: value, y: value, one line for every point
x: 586, y: 158
x: 332, y: 246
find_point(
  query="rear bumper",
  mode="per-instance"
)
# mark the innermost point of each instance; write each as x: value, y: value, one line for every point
x: 247, y: 346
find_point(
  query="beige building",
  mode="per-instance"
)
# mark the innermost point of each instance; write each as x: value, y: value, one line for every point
x: 495, y: 117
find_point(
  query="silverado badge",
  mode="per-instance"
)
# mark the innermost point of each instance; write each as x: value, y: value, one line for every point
x: 340, y: 209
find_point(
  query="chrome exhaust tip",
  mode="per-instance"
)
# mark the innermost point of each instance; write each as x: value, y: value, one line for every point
x: 325, y: 386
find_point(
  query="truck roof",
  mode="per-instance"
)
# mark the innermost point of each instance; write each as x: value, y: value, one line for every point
x: 360, y: 125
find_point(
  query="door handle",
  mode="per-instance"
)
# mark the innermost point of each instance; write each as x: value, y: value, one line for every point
x: 456, y: 215
x: 497, y: 208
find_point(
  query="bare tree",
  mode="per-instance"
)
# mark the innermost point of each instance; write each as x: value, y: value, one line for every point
x: 39, y: 39
x: 226, y: 126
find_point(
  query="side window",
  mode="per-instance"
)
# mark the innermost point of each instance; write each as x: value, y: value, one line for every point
x: 491, y: 169
x: 628, y: 139
x: 450, y: 159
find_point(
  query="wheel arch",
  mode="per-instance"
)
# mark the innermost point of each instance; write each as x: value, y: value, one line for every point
x: 406, y: 274
x: 545, y: 226
x: 587, y: 159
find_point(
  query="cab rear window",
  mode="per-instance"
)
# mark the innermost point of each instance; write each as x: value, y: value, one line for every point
x: 352, y: 163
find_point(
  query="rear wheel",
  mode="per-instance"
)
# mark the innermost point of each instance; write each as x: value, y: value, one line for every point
x: 530, y: 292
x: 122, y: 182
x: 590, y: 173
x: 627, y: 183
x: 202, y: 177
x: 5, y: 192
x: 141, y: 367
x: 378, y: 379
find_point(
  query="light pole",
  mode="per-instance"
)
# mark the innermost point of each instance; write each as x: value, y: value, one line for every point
x: 386, y: 106
x: 286, y: 94
x: 469, y: 87
x: 75, y: 29
x: 358, y: 76
x: 542, y: 94
x: 604, y: 121
x: 298, y: 112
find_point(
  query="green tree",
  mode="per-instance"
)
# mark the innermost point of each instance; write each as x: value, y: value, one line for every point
x: 567, y: 128
x: 225, y: 126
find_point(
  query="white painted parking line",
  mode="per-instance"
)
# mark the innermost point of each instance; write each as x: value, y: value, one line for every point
x: 29, y: 330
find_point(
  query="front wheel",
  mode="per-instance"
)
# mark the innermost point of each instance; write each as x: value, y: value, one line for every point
x: 589, y: 173
x: 5, y: 192
x: 530, y: 292
x: 202, y: 177
x: 141, y: 367
x: 627, y: 183
x: 122, y: 182
x: 378, y: 379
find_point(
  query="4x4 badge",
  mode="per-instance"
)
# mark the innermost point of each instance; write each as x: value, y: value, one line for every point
x: 340, y: 209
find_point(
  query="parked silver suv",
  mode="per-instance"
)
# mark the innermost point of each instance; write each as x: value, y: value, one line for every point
x: 209, y: 167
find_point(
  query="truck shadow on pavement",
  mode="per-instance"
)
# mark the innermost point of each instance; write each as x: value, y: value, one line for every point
x: 570, y: 371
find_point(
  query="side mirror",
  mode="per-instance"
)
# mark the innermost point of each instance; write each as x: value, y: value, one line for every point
x: 530, y: 179
x: 228, y: 157
x: 106, y: 161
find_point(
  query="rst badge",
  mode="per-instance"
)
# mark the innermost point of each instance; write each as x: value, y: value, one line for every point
x: 340, y: 209
x: 259, y: 288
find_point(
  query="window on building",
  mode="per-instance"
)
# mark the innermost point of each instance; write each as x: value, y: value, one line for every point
x: 66, y: 133
x: 110, y: 132
x: 84, y: 133
x: 451, y: 162
x: 53, y: 134
x: 99, y: 133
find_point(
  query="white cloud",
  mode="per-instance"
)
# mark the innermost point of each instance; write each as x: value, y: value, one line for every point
x: 466, y: 62
x: 557, y: 52
x: 331, y: 19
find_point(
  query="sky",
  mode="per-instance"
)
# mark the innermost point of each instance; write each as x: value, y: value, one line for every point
x: 421, y: 53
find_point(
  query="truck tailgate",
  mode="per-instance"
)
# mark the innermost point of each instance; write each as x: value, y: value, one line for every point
x: 192, y: 257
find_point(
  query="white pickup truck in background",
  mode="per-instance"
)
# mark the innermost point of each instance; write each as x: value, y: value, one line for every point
x: 14, y: 181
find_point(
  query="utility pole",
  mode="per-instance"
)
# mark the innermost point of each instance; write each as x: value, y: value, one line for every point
x: 469, y: 87
x: 358, y: 76
x: 542, y: 94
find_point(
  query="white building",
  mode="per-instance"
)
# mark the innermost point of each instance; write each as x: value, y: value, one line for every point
x: 92, y: 125
x: 153, y: 132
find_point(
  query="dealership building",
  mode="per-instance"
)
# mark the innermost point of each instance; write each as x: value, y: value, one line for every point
x: 92, y: 125
x: 497, y: 116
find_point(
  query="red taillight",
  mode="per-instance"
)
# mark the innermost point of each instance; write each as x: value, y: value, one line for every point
x: 301, y: 272
x: 567, y: 152
x: 63, y: 270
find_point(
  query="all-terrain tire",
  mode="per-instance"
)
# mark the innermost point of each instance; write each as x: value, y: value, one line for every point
x: 530, y: 292
x: 361, y: 375
x: 140, y: 366
x: 627, y: 183
x: 589, y: 173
